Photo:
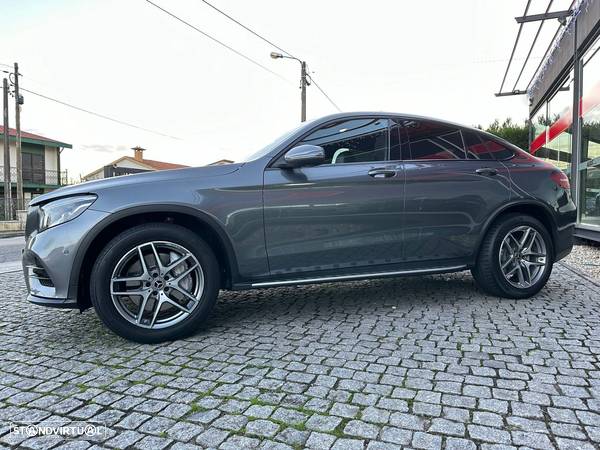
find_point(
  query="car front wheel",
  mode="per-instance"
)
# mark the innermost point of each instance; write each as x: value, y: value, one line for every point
x: 516, y: 257
x: 155, y: 282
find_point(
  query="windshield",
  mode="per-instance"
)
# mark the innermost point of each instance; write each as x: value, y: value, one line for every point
x: 265, y: 150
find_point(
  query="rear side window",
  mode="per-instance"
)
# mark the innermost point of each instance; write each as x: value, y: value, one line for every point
x: 482, y: 147
x: 475, y: 147
x: 432, y: 140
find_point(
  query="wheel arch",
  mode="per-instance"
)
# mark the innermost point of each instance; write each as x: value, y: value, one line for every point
x: 198, y: 222
x: 533, y: 208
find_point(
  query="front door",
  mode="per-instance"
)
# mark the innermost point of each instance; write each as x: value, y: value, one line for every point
x: 455, y: 181
x: 343, y: 214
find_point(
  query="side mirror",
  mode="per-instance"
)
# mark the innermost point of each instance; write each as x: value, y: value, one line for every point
x: 304, y: 155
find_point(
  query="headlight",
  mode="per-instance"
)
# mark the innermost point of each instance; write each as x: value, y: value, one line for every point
x: 62, y: 210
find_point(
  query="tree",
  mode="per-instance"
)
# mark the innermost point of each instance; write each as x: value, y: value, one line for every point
x: 514, y: 133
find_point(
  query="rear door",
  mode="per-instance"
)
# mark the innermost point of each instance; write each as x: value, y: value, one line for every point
x: 344, y: 214
x: 453, y: 185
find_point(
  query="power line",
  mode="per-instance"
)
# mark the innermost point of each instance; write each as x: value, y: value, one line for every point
x: 221, y: 43
x: 248, y: 29
x: 323, y: 92
x: 270, y: 43
x: 131, y: 125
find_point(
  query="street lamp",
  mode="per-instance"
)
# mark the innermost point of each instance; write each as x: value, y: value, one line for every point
x: 303, y: 82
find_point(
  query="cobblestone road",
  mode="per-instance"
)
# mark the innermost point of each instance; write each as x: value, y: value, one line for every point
x: 423, y: 362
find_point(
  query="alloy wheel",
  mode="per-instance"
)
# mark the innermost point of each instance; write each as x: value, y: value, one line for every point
x: 157, y: 284
x: 523, y: 256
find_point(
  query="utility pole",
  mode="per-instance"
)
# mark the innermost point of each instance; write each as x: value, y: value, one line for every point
x: 303, y: 82
x: 7, y: 187
x: 18, y: 102
x: 303, y: 90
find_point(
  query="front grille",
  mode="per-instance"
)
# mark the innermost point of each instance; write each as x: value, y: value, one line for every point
x: 40, y: 274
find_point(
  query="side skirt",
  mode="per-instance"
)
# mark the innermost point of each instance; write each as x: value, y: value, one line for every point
x: 350, y: 277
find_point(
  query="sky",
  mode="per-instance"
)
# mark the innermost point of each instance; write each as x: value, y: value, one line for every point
x: 128, y: 60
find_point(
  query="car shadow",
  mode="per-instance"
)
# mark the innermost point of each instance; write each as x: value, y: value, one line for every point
x: 393, y: 300
x: 303, y: 303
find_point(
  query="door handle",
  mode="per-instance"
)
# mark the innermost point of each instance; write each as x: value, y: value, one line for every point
x: 382, y: 173
x: 487, y: 171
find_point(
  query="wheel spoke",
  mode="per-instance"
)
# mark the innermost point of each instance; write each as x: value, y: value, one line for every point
x: 520, y: 275
x: 156, y: 311
x: 534, y: 263
x: 524, y: 238
x: 526, y: 274
x: 166, y: 299
x: 176, y: 280
x: 512, y: 271
x: 185, y: 293
x: 136, y: 292
x: 176, y: 263
x: 126, y: 279
x: 142, y: 261
x: 140, y: 314
x: 534, y: 254
x: 508, y: 261
x: 159, y: 264
x: 531, y: 240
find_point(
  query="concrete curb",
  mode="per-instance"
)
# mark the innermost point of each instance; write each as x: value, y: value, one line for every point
x: 580, y: 273
x: 10, y: 234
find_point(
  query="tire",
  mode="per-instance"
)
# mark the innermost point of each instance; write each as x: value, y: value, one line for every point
x: 195, y: 293
x: 488, y: 272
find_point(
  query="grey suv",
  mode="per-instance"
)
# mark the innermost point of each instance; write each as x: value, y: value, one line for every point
x: 344, y: 197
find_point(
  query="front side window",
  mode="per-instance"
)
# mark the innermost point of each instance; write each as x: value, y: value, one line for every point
x: 433, y: 140
x: 352, y: 141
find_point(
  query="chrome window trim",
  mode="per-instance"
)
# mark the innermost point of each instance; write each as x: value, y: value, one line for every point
x: 356, y: 276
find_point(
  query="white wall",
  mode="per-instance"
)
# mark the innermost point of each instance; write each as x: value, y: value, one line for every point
x: 13, y: 154
x: 132, y: 164
x: 50, y: 156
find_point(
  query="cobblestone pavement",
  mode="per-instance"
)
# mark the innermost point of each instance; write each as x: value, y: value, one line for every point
x: 586, y: 258
x: 424, y: 362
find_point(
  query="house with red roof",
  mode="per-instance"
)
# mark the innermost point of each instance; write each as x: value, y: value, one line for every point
x: 127, y: 165
x: 40, y: 162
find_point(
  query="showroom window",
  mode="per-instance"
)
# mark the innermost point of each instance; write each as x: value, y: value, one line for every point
x: 352, y: 141
x: 589, y: 167
x: 552, y: 128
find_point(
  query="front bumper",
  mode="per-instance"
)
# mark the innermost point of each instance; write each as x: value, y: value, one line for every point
x: 53, y: 302
x: 48, y: 260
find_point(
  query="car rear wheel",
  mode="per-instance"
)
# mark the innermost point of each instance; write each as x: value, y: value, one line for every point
x: 155, y: 282
x: 516, y: 257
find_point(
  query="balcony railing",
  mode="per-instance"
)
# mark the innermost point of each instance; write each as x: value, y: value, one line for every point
x: 37, y: 176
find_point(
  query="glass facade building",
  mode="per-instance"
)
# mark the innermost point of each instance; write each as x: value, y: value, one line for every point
x: 565, y: 114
